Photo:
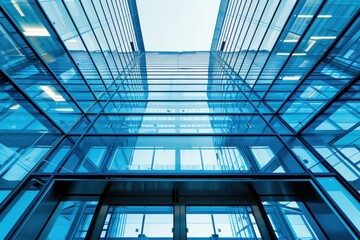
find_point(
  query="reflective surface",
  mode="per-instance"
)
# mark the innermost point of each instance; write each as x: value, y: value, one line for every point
x: 290, y: 220
x: 175, y: 154
x: 221, y: 223
x: 138, y: 222
x: 91, y: 123
x: 71, y: 221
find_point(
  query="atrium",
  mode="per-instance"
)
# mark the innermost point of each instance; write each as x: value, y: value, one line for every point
x: 179, y: 119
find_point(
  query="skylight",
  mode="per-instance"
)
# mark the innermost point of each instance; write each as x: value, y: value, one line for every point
x: 178, y: 25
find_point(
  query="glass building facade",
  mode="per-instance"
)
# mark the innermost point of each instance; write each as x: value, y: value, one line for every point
x: 257, y: 138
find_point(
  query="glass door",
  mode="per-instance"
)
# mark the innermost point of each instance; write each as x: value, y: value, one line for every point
x: 221, y: 222
x: 138, y: 222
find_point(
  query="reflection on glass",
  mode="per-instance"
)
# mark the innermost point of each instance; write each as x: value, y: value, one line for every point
x: 291, y: 220
x: 347, y: 203
x: 180, y: 154
x: 71, y: 220
x: 220, y: 222
x: 138, y: 222
x: 13, y: 212
x: 306, y: 157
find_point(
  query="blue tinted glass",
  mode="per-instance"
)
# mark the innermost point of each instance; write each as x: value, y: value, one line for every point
x: 72, y: 220
x: 181, y: 154
x: 153, y: 222
x: 16, y: 209
x: 347, y: 203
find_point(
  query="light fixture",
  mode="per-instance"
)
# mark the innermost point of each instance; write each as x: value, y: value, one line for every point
x: 15, y: 107
x: 305, y: 16
x: 64, y: 109
x: 52, y: 93
x: 36, y: 32
x: 319, y: 16
x: 17, y: 7
x: 324, y: 16
x: 282, y: 54
x: 291, y: 78
x: 291, y: 40
x: 299, y: 54
x: 323, y: 37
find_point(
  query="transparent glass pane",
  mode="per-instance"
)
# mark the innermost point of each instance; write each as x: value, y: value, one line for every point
x: 291, y: 220
x: 221, y: 222
x: 138, y: 222
x: 71, y: 220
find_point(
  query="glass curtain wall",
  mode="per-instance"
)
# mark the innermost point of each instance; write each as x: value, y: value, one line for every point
x: 256, y: 139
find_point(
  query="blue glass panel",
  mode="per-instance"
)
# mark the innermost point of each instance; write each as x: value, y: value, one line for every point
x: 291, y: 220
x: 71, y: 220
x: 11, y: 215
x: 347, y: 203
x: 221, y: 222
x: 181, y: 154
x: 138, y: 222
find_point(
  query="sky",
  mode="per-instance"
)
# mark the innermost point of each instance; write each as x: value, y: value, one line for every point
x: 178, y: 25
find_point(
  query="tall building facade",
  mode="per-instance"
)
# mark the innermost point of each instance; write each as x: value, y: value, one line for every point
x: 257, y: 138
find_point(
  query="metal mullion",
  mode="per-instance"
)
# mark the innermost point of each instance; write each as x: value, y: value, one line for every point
x: 347, y: 163
x: 122, y: 25
x: 118, y: 29
x: 28, y: 176
x: 261, y: 217
x: 262, y: 40
x: 224, y: 29
x: 125, y: 21
x: 189, y: 100
x: 308, y: 27
x: 52, y: 150
x: 96, y: 39
x: 329, y: 167
x: 81, y: 136
x: 83, y: 42
x: 28, y: 99
x: 41, y: 60
x: 338, y: 209
x: 116, y: 32
x: 129, y: 18
x: 271, y: 127
x: 247, y: 10
x: 44, y: 189
x: 341, y: 135
x: 329, y: 103
x: 277, y: 40
x: 80, y: 213
x: 252, y: 38
x: 5, y: 78
x: 245, y: 36
x: 180, y: 228
x: 310, y: 220
x: 128, y: 33
x: 102, y: 29
x: 236, y: 27
x: 66, y: 50
x: 111, y: 34
x: 99, y: 217
x: 323, y: 57
x: 177, y: 134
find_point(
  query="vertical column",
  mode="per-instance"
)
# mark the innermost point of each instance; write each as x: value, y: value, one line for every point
x: 179, y: 222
